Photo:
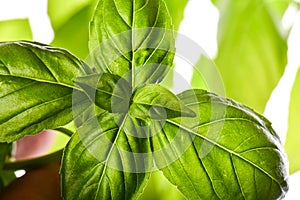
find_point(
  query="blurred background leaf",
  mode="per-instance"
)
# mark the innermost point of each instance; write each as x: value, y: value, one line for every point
x: 70, y: 22
x: 15, y: 29
x: 159, y: 188
x: 292, y: 144
x: 278, y: 6
x: 176, y: 11
x: 252, y: 52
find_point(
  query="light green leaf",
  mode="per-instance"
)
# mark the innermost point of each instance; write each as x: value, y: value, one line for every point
x: 71, y: 26
x: 17, y: 29
x: 233, y: 153
x: 278, y: 6
x: 133, y: 39
x: 251, y: 50
x: 176, y: 11
x: 99, y: 162
x: 161, y: 102
x: 36, y: 88
x: 293, y: 138
x: 159, y: 188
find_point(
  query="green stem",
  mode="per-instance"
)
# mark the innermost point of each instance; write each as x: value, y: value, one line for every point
x: 64, y: 131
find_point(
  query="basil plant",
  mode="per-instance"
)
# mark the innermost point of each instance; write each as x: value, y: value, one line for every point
x: 128, y: 123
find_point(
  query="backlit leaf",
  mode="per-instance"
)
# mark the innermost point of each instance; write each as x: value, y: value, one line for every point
x: 133, y: 39
x: 233, y: 153
x: 293, y: 137
x: 36, y: 88
x: 252, y: 52
x: 99, y: 161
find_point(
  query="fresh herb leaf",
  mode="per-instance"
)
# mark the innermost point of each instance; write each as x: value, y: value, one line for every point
x: 109, y: 92
x: 99, y: 163
x: 156, y: 102
x: 132, y: 39
x: 36, y: 88
x: 234, y: 153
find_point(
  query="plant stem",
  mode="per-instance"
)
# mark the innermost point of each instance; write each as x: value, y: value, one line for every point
x: 64, y: 131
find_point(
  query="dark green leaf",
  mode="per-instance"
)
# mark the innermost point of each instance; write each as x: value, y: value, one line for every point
x: 100, y: 163
x: 133, y: 39
x: 251, y: 50
x: 109, y: 92
x: 6, y: 177
x: 36, y: 88
x: 293, y: 138
x: 161, y: 102
x: 5, y: 150
x: 226, y: 152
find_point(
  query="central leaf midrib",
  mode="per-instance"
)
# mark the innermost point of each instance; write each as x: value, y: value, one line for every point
x: 109, y: 154
x: 132, y: 48
x: 43, y: 81
x: 11, y: 118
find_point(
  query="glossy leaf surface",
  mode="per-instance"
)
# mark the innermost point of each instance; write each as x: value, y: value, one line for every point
x: 133, y: 39
x: 98, y: 162
x: 36, y: 88
x: 234, y: 153
x: 156, y: 102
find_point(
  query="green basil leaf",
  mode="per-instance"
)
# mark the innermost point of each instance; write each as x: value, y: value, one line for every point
x: 99, y: 162
x: 293, y: 138
x: 36, y: 88
x: 251, y: 50
x: 234, y: 153
x: 133, y: 39
x: 109, y: 92
x: 161, y: 102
